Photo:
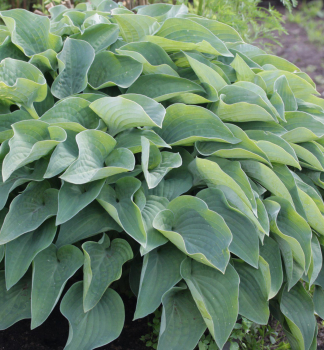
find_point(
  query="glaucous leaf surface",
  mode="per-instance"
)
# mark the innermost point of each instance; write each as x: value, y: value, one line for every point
x: 178, y: 157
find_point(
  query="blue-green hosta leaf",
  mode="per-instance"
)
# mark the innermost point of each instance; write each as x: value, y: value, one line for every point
x: 310, y: 155
x: 161, y: 12
x: 162, y: 87
x: 181, y: 324
x: 45, y: 105
x: 210, y: 173
x: 156, y: 164
x: 95, y: 149
x: 65, y: 152
x: 253, y: 292
x: 281, y: 86
x: 103, y: 263
x: 298, y: 309
x: 298, y: 85
x: 99, y: 36
x: 135, y: 27
x: 153, y: 205
x: 276, y: 148
x: 189, y: 224
x: 97, y: 327
x: 234, y: 170
x: 216, y: 296
x: 236, y: 101
x: 131, y: 139
x: 293, y: 235
x: 72, y: 110
x: 183, y: 34
x: 184, y: 125
x: 267, y: 178
x: 30, y: 32
x: 21, y: 251
x: 29, y: 210
x: 108, y: 69
x: 52, y: 268
x: 279, y: 62
x: 106, y: 5
x: 21, y: 83
x: 289, y: 179
x: 21, y: 176
x: 6, y: 120
x: 245, y: 73
x: 14, y: 303
x: 318, y: 299
x: 160, y: 272
x: 204, y: 72
x: 154, y: 59
x: 119, y: 204
x: 270, y: 252
x: 73, y: 198
x: 302, y: 127
x: 314, y: 215
x: 93, y: 219
x: 8, y: 49
x: 127, y: 111
x: 245, y: 243
x: 45, y: 61
x: 245, y: 149
x: 32, y: 140
x: 221, y: 30
x: 316, y: 262
x: 74, y: 62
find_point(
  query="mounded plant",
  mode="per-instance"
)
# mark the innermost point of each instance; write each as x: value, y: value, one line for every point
x: 162, y: 145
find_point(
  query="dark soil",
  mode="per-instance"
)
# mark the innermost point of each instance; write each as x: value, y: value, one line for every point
x: 53, y: 334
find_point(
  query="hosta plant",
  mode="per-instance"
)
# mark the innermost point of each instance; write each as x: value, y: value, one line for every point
x: 156, y: 143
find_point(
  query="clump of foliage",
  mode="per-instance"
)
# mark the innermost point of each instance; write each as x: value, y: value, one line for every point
x: 162, y: 142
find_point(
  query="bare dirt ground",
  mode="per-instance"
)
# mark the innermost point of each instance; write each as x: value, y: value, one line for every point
x: 297, y: 49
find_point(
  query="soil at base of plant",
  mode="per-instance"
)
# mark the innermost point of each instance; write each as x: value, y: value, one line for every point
x: 52, y: 335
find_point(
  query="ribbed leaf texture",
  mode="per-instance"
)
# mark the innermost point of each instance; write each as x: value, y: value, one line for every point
x: 156, y: 147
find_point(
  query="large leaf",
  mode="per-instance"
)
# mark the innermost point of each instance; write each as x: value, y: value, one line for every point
x: 30, y: 32
x: 21, y: 251
x: 216, y: 296
x: 254, y: 292
x: 160, y: 272
x: 120, y: 205
x: 181, y: 324
x: 156, y: 164
x: 97, y: 327
x: 74, y: 62
x: 301, y: 324
x: 93, y: 219
x: 21, y: 83
x: 245, y: 242
x: 107, y: 70
x: 154, y: 59
x: 99, y: 36
x: 127, y: 111
x: 32, y: 140
x: 197, y: 231
x: 103, y: 263
x: 183, y: 34
x: 29, y: 209
x: 73, y: 198
x: 95, y: 150
x: 15, y: 303
x: 184, y: 125
x: 51, y: 269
